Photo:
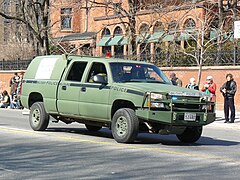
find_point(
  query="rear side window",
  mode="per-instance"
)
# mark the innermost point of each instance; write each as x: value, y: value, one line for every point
x: 76, y: 71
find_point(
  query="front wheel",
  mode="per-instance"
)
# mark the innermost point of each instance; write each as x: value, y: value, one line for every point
x: 190, y: 135
x: 125, y: 125
x: 38, y: 117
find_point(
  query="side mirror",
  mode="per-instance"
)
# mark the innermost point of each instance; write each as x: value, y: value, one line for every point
x: 100, y: 78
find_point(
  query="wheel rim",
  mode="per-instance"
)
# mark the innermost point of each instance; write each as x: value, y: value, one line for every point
x: 36, y: 117
x: 121, y: 126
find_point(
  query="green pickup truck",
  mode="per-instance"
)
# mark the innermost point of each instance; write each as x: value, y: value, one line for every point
x: 126, y: 96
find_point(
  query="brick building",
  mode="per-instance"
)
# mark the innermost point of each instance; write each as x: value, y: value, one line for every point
x: 95, y: 28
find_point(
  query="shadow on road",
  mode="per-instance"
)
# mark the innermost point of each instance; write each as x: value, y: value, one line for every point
x: 147, y: 138
x: 223, y: 119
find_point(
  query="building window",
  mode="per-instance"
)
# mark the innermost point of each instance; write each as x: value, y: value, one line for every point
x: 66, y: 18
x: 106, y: 32
x: 158, y: 27
x: 118, y: 31
x: 190, y: 24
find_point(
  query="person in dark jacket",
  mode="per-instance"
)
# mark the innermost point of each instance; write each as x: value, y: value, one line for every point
x: 192, y: 84
x: 228, y: 90
x: 175, y: 80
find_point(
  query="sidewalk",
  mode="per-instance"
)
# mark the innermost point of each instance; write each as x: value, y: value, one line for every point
x: 219, y: 122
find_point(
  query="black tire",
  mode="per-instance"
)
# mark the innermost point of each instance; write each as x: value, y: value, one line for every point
x: 92, y: 128
x: 190, y: 135
x: 38, y: 117
x: 125, y: 125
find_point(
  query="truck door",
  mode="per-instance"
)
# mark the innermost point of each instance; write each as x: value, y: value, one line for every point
x: 69, y: 89
x: 94, y: 97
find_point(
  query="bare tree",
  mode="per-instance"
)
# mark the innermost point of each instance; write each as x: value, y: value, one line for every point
x: 215, y: 19
x: 34, y: 14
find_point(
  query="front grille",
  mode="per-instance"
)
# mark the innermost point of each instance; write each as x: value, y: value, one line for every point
x: 179, y: 107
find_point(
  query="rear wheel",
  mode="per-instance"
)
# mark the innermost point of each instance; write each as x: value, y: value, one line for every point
x: 38, y: 117
x: 190, y: 135
x: 125, y: 125
x: 92, y: 128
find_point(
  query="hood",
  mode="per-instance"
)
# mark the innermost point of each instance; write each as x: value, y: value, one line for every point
x: 161, y: 88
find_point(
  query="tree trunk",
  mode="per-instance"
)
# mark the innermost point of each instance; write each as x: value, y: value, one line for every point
x: 220, y: 27
x: 132, y: 48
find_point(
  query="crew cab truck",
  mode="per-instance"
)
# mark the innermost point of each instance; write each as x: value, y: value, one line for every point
x: 126, y: 96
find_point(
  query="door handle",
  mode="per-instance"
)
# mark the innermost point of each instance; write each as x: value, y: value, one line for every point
x: 64, y: 87
x: 83, y: 89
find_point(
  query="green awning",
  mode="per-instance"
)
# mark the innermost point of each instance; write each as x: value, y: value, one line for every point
x: 124, y: 41
x: 104, y: 41
x: 213, y: 35
x: 155, y: 37
x: 115, y: 40
x: 185, y: 35
x: 142, y: 38
x: 229, y: 36
x: 169, y: 37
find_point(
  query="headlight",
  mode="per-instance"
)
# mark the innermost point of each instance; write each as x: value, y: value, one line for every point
x: 157, y: 105
x: 154, y: 100
x: 157, y: 96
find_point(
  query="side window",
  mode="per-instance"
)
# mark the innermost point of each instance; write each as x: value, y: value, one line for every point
x: 97, y: 68
x: 76, y: 71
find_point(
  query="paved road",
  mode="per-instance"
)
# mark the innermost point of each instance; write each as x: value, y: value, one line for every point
x: 71, y: 152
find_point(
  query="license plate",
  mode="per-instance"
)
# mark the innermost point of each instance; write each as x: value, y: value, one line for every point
x: 190, y: 116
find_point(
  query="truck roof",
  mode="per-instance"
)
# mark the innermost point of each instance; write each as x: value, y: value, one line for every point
x: 100, y: 59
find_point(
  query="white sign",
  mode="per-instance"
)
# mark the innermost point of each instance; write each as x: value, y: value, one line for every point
x: 45, y: 68
x: 236, y: 29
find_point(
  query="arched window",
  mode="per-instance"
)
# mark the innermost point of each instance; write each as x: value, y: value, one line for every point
x: 144, y: 28
x: 106, y: 32
x: 118, y: 31
x: 158, y: 27
x: 190, y: 24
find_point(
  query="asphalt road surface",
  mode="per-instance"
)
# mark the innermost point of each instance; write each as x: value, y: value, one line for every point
x: 72, y: 152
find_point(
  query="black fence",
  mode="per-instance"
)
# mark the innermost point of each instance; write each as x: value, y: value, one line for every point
x: 224, y: 58
x: 14, y: 64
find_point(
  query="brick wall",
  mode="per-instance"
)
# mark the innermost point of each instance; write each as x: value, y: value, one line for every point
x: 183, y: 73
x: 219, y: 77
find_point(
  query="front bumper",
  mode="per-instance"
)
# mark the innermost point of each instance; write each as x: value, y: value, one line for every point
x: 175, y: 118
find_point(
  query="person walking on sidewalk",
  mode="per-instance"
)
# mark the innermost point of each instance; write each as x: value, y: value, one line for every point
x: 228, y: 91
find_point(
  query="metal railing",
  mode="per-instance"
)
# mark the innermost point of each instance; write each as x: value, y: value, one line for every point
x: 163, y: 59
x: 14, y: 64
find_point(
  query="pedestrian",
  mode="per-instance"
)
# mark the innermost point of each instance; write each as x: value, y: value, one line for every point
x: 5, y: 101
x: 175, y: 80
x: 14, y: 84
x: 192, y: 84
x: 14, y: 103
x: 108, y: 54
x: 228, y: 91
x: 210, y: 87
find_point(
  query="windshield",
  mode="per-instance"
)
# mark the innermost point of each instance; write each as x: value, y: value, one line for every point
x: 135, y: 72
